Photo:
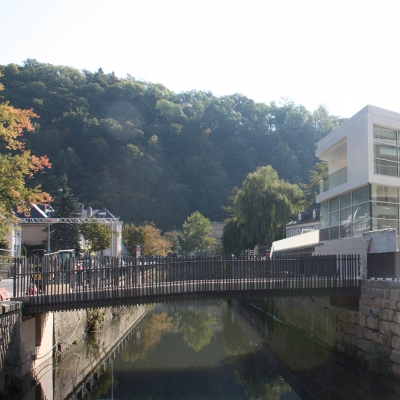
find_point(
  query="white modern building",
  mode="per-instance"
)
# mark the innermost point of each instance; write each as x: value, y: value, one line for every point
x: 362, y: 190
x: 361, y: 193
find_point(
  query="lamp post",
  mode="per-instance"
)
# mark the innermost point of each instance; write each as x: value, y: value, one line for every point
x: 48, y: 225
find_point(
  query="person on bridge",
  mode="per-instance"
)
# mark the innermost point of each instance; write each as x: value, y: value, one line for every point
x: 32, y: 289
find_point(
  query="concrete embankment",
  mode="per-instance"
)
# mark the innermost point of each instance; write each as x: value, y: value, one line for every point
x: 29, y: 343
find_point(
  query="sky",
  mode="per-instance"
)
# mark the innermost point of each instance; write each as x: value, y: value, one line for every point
x: 343, y: 54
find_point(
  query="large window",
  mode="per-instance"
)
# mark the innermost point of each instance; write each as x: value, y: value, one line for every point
x: 368, y: 208
x: 386, y: 151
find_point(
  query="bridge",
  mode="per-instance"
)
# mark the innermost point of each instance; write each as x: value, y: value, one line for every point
x: 48, y: 284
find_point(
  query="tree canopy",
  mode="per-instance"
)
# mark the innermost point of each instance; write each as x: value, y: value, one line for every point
x: 65, y: 236
x: 148, y: 237
x: 17, y: 164
x: 260, y: 210
x: 98, y: 236
x: 147, y: 153
x: 196, y: 231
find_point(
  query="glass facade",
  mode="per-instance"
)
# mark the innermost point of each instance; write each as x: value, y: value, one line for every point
x: 368, y: 208
x: 386, y: 151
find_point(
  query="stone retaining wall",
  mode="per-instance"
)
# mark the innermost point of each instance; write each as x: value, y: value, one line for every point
x: 373, y: 333
x: 308, y: 366
x: 312, y: 315
x: 368, y: 331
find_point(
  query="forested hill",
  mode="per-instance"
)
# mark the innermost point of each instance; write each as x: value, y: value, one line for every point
x: 149, y: 154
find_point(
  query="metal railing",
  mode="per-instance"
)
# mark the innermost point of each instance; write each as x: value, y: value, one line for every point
x: 46, y: 284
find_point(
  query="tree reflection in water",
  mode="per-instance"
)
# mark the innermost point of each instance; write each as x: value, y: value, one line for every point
x: 152, y: 329
x: 252, y: 370
x: 217, y: 359
x: 196, y: 329
x: 102, y: 387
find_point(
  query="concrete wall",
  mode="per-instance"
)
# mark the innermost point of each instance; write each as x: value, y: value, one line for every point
x: 76, y: 364
x: 33, y: 234
x: 25, y: 344
x: 70, y: 326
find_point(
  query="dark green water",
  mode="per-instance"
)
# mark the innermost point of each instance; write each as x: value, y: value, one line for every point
x: 211, y: 351
x: 193, y: 351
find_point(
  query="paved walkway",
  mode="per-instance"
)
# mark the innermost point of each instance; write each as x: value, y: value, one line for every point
x: 9, y: 306
x: 8, y: 285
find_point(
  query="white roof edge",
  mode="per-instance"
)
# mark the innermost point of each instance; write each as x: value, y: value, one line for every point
x: 306, y: 239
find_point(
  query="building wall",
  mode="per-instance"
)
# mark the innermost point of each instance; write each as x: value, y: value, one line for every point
x: 356, y: 135
x: 14, y: 241
x: 306, y: 239
x: 33, y: 234
x: 351, y: 245
x: 298, y: 229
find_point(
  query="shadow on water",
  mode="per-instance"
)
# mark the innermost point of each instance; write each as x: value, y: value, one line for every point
x: 209, y: 350
x: 312, y: 368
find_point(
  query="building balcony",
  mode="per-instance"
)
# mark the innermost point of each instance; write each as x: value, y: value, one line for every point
x: 336, y: 179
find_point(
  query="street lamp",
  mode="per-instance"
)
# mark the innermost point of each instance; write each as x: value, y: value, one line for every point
x: 48, y: 228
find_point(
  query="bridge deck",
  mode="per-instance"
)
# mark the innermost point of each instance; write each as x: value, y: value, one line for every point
x: 45, y: 286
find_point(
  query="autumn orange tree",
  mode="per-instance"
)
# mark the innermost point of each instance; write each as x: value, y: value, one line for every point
x: 17, y: 165
x: 148, y: 237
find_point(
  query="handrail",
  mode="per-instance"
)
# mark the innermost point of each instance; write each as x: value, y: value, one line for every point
x: 48, y: 284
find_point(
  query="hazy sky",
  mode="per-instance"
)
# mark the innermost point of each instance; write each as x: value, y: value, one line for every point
x: 344, y: 54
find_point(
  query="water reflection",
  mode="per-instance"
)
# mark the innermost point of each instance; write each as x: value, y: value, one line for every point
x: 195, y: 351
x: 210, y: 351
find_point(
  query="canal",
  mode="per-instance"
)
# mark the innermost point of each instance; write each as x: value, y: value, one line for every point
x: 211, y: 350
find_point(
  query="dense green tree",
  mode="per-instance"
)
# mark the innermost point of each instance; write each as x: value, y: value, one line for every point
x: 4, y: 245
x: 150, y: 154
x: 65, y: 236
x: 177, y: 241
x: 98, y: 236
x: 132, y: 236
x: 261, y: 209
x: 197, y: 233
x: 234, y: 239
x: 211, y: 189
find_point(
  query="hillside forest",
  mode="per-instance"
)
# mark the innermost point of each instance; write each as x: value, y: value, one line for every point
x: 149, y: 154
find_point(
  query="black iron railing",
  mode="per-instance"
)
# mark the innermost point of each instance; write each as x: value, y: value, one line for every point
x: 46, y: 284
